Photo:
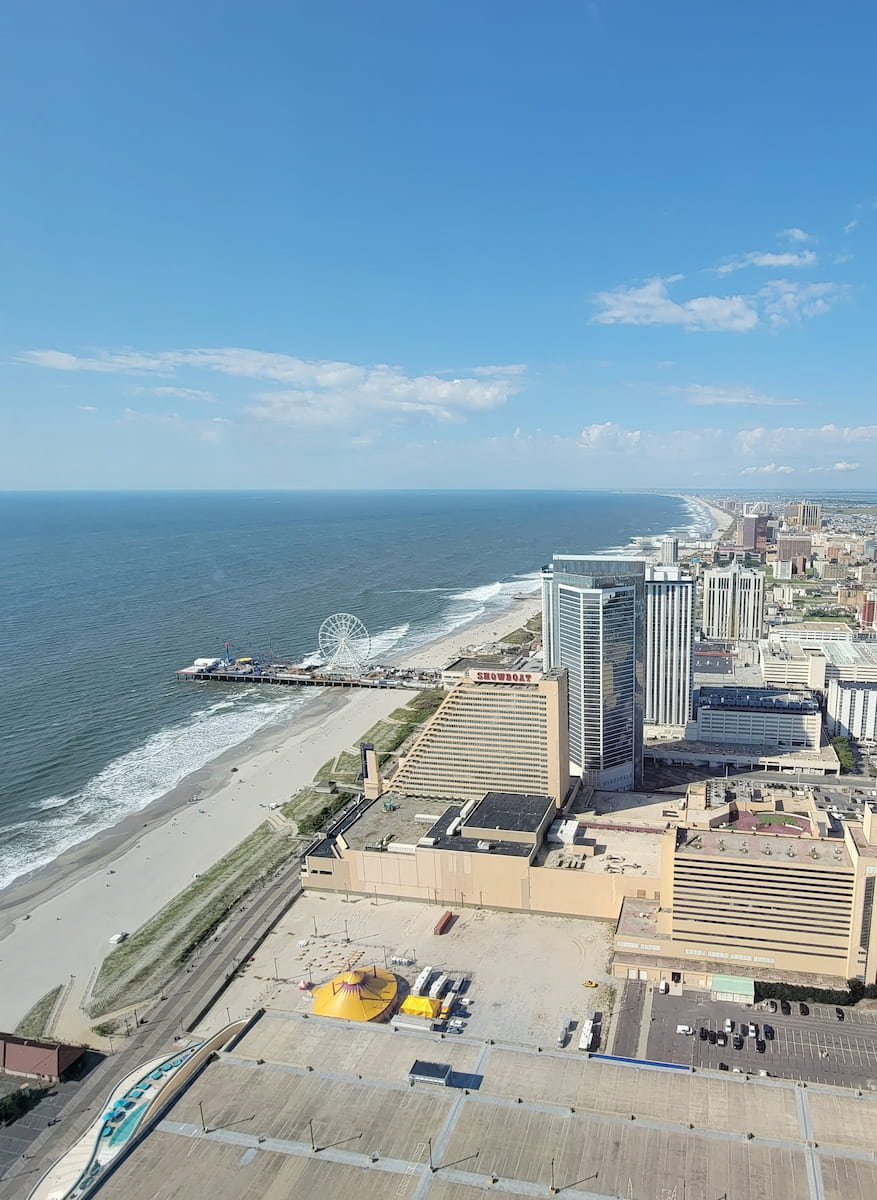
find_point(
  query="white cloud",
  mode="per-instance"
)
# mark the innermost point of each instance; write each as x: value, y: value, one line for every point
x: 768, y: 469
x: 803, y: 440
x: 840, y: 466
x: 608, y: 436
x: 115, y: 364
x: 703, y: 394
x: 796, y: 235
x: 316, y: 392
x: 181, y: 393
x: 785, y: 301
x: 851, y: 225
x: 757, y: 258
x: 86, y: 408
x: 510, y: 369
x: 650, y: 304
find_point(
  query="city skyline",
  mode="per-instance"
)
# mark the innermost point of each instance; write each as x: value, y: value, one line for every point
x: 424, y: 259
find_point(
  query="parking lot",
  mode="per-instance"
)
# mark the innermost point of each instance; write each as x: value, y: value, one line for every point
x: 816, y: 1048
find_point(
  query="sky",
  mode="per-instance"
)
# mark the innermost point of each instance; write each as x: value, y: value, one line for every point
x: 576, y: 244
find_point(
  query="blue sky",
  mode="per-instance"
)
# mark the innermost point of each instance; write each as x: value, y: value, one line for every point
x: 576, y: 244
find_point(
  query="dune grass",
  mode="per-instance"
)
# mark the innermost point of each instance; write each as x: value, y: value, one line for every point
x: 35, y: 1021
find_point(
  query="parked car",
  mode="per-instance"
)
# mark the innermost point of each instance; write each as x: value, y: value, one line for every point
x: 752, y: 1031
x: 760, y: 1046
x: 702, y: 1033
x: 839, y: 1013
x: 771, y: 1006
x: 729, y: 1025
x: 723, y: 1067
x: 738, y: 1042
x: 711, y: 1037
x: 721, y: 1039
x: 768, y: 1032
x: 804, y: 1009
x: 686, y: 1029
x: 785, y: 1008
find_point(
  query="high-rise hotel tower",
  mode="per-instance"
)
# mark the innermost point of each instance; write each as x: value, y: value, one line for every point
x: 733, y: 603
x: 593, y: 625
x: 669, y: 646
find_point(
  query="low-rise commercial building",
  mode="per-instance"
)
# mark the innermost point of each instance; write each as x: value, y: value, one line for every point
x: 788, y: 664
x: 756, y: 716
x: 812, y: 633
x: 503, y: 851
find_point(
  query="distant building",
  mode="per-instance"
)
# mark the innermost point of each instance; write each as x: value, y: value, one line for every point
x: 752, y: 532
x: 593, y: 625
x: 669, y: 548
x: 806, y: 514
x: 669, y: 645
x: 496, y: 729
x: 757, y: 717
x: 790, y: 548
x: 852, y: 710
x: 733, y: 603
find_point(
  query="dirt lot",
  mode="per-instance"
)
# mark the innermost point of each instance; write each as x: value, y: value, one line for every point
x: 526, y: 972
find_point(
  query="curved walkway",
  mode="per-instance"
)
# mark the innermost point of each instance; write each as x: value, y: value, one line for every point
x: 132, y: 1108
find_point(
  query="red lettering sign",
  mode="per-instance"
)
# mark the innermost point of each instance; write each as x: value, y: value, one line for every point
x: 504, y: 676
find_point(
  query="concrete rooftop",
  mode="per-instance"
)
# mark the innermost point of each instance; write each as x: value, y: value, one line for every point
x: 755, y: 1140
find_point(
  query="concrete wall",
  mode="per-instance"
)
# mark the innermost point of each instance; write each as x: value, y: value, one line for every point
x: 478, y: 880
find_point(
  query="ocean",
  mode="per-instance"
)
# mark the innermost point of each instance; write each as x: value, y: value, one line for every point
x: 105, y: 595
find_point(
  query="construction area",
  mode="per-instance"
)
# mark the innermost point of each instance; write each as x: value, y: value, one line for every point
x: 504, y: 957
x: 303, y: 1105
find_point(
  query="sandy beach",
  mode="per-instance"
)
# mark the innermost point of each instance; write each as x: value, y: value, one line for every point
x: 721, y: 518
x: 57, y: 922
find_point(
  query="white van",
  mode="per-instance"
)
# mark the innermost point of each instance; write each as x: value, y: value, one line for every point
x: 686, y: 1029
x: 117, y: 938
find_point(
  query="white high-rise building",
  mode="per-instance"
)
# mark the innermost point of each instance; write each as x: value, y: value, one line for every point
x: 852, y: 710
x: 669, y: 647
x: 669, y: 551
x: 592, y: 624
x: 733, y: 603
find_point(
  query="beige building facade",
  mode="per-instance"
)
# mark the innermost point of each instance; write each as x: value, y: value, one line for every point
x: 758, y: 904
x: 496, y: 729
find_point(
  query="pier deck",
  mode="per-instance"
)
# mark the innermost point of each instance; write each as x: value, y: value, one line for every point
x: 389, y: 677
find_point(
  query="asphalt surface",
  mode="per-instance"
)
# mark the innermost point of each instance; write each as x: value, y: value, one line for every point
x: 815, y: 1049
x: 629, y: 1019
x: 181, y: 1009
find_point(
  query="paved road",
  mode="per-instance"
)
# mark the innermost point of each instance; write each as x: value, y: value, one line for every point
x: 216, y: 962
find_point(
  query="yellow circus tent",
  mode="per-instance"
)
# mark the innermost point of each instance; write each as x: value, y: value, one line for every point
x: 362, y: 995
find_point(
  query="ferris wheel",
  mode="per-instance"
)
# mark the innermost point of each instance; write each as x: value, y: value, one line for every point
x: 344, y: 643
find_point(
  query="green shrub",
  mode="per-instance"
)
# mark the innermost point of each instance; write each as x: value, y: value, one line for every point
x: 854, y: 992
x: 845, y: 755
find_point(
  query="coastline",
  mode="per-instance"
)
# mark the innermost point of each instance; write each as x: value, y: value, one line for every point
x: 58, y: 918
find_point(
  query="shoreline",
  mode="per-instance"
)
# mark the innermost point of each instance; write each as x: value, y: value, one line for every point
x: 72, y: 894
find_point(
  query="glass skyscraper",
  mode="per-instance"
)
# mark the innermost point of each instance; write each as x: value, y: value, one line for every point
x: 593, y: 624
